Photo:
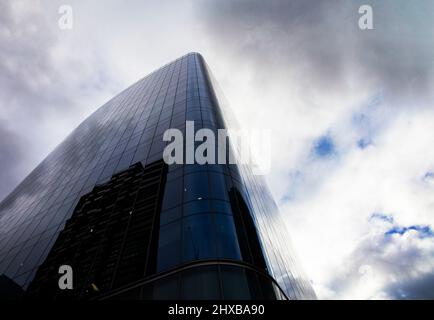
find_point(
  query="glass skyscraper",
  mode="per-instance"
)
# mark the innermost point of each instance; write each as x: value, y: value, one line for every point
x: 133, y: 227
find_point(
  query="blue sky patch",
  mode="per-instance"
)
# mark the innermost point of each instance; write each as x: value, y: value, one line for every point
x: 424, y: 231
x: 382, y: 216
x: 362, y: 143
x: 324, y: 146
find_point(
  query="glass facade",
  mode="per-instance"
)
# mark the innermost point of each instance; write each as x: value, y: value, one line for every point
x: 134, y: 227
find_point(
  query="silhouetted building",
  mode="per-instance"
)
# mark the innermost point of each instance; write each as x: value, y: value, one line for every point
x: 132, y: 226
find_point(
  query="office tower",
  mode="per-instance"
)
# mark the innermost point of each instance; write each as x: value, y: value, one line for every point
x: 131, y: 226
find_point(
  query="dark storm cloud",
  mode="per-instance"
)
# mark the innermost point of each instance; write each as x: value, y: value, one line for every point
x: 420, y: 288
x: 321, y: 45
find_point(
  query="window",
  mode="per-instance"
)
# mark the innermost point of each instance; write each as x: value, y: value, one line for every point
x: 169, y: 246
x: 166, y: 288
x: 198, y: 238
x: 172, y: 194
x: 221, y: 206
x: 195, y: 207
x: 141, y: 153
x: 170, y: 215
x: 196, y: 186
x: 234, y: 283
x: 218, y: 186
x: 227, y: 242
x: 125, y: 161
x: 200, y: 283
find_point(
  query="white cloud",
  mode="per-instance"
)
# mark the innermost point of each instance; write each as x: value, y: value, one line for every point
x: 328, y: 219
x: 383, y: 266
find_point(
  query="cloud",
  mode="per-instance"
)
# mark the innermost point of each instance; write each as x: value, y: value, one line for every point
x: 419, y: 288
x: 386, y: 265
x: 335, y: 211
x: 320, y: 44
x: 382, y: 216
x: 45, y: 90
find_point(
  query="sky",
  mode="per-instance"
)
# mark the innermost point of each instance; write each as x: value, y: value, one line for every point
x: 350, y: 112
